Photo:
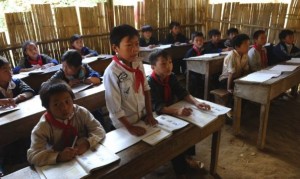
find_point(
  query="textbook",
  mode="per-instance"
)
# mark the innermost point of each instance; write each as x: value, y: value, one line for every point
x: 4, y: 110
x: 79, y: 167
x: 80, y: 87
x: 205, y: 56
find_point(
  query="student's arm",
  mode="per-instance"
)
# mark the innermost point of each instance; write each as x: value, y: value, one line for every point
x: 230, y: 83
x: 149, y: 118
x: 49, y: 61
x: 6, y: 102
x: 25, y: 91
x: 88, y: 52
x: 254, y: 60
x: 92, y: 76
x: 22, y: 67
x: 189, y: 98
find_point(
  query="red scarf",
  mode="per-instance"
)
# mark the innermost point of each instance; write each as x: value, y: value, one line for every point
x: 165, y: 83
x: 263, y: 56
x: 197, y: 50
x: 35, y: 62
x: 69, y: 132
x: 139, y: 77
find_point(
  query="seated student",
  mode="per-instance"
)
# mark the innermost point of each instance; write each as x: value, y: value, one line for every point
x: 52, y: 137
x: 166, y: 90
x: 33, y: 59
x: 74, y: 72
x: 257, y: 55
x: 215, y: 45
x: 76, y: 42
x: 147, y: 40
x: 12, y: 91
x: 235, y: 64
x: 231, y: 33
x: 127, y: 92
x: 175, y: 36
x: 286, y: 49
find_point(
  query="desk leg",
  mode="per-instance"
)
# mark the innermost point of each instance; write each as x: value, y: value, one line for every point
x: 215, y: 145
x: 264, y: 115
x: 206, y: 83
x: 237, y: 115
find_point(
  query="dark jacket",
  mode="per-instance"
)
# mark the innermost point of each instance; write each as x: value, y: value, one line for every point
x: 21, y: 87
x: 152, y: 41
x: 180, y: 38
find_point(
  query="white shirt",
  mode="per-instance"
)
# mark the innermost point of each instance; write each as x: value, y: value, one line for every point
x: 121, y: 98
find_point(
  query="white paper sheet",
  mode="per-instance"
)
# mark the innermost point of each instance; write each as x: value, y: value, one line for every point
x: 284, y: 67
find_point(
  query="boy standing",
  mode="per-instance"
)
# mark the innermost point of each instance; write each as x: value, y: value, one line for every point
x: 165, y: 91
x: 127, y: 93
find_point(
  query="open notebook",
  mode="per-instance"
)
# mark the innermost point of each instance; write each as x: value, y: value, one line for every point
x: 4, y: 110
x: 79, y: 167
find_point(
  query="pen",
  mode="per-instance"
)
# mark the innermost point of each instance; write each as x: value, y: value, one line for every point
x: 74, y: 142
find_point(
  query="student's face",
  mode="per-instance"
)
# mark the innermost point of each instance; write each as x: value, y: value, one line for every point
x: 175, y: 30
x: 78, y: 44
x: 147, y: 34
x: 243, y: 49
x: 163, y: 66
x: 289, y: 39
x: 32, y: 51
x: 70, y: 70
x: 198, y: 42
x: 261, y: 40
x: 216, y: 38
x: 232, y: 35
x: 61, y: 105
x: 5, y: 73
x: 128, y: 48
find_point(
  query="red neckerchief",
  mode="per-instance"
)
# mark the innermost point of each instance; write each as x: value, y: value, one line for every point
x: 139, y: 77
x: 263, y: 56
x: 35, y: 62
x: 197, y: 50
x: 69, y: 132
x: 165, y: 83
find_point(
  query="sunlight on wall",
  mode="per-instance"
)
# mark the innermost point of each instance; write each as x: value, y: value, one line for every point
x: 250, y: 1
x: 126, y: 2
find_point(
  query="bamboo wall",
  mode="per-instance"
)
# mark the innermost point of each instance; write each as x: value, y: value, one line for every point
x: 52, y: 27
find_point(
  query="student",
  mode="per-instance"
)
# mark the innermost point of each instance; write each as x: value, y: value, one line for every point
x: 165, y: 91
x: 127, y: 92
x: 175, y: 36
x: 12, y: 91
x: 231, y: 33
x: 74, y: 72
x: 76, y: 42
x: 257, y: 55
x: 197, y: 49
x: 33, y: 59
x: 53, y: 136
x: 236, y: 62
x: 215, y: 45
x: 286, y: 49
x: 147, y: 40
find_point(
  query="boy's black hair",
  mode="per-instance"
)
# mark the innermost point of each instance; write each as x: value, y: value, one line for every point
x: 239, y: 39
x: 147, y: 28
x: 174, y: 24
x: 258, y: 33
x: 232, y: 30
x: 196, y: 34
x: 213, y: 32
x: 156, y: 54
x: 72, y: 57
x: 51, y: 88
x: 25, y: 44
x: 284, y: 33
x: 74, y: 38
x: 3, y: 61
x: 121, y: 31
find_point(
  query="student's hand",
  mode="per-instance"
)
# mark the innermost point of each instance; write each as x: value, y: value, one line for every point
x: 136, y: 130
x: 150, y: 120
x: 35, y: 67
x: 66, y: 155
x: 184, y: 111
x: 82, y: 145
x: 20, y: 98
x: 230, y: 91
x: 203, y: 106
x: 177, y: 43
x: 7, y: 102
x: 151, y: 46
x: 47, y: 65
x: 74, y: 82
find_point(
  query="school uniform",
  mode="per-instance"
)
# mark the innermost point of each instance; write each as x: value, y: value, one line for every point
x: 161, y: 98
x: 257, y: 59
x: 85, y: 51
x: 16, y: 87
x: 283, y: 52
x: 123, y: 97
x: 146, y: 43
x: 47, y: 140
x: 210, y: 47
x: 179, y: 38
x: 26, y: 62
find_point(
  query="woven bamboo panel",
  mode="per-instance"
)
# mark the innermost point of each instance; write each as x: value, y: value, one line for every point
x: 3, y: 44
x: 140, y: 14
x: 277, y: 22
x: 293, y: 21
x: 124, y: 15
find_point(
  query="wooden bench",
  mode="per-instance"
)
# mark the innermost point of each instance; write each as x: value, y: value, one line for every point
x: 220, y: 96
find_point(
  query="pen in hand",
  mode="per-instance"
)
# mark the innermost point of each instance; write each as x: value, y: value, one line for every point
x: 74, y: 142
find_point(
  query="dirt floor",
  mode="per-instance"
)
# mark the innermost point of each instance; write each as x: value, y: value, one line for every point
x: 239, y: 157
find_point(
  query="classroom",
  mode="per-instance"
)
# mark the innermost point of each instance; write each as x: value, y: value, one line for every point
x: 216, y: 82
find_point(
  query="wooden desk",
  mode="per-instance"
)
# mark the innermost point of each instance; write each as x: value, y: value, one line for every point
x: 141, y: 158
x: 207, y: 67
x: 261, y: 93
x: 98, y: 63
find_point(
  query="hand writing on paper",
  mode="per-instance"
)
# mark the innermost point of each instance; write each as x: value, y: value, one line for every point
x: 184, y: 111
x: 136, y: 130
x: 7, y: 102
x: 82, y: 145
x: 20, y: 98
x: 149, y: 119
x: 203, y: 106
x: 66, y: 155
x: 74, y: 82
